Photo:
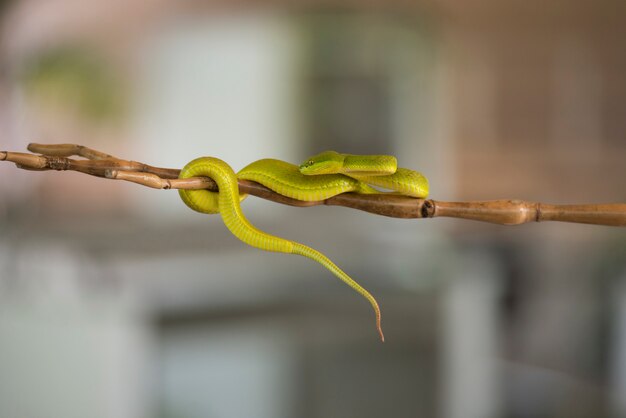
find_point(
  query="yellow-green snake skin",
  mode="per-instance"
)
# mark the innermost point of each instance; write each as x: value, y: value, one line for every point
x: 320, y: 177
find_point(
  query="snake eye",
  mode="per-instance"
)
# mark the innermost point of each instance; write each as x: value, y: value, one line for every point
x: 310, y: 163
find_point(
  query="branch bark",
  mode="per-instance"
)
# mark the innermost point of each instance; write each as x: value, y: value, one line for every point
x: 504, y: 212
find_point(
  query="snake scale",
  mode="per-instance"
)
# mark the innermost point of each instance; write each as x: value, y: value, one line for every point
x: 319, y: 177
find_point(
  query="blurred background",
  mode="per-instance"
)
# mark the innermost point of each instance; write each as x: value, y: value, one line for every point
x: 118, y: 301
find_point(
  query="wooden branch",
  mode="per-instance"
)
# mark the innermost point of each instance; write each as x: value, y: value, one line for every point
x: 516, y: 212
x: 504, y: 212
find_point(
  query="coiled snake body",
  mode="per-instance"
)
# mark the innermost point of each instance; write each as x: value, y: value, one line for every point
x: 320, y: 177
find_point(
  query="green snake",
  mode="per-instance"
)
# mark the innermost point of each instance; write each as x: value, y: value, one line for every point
x: 320, y: 177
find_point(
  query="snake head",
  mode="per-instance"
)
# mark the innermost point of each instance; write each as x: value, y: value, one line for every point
x: 327, y: 162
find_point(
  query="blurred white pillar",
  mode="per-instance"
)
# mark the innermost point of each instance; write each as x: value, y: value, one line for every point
x: 470, y: 345
x: 223, y: 86
x: 66, y: 349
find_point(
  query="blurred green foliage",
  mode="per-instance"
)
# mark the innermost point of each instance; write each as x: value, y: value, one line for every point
x: 76, y: 79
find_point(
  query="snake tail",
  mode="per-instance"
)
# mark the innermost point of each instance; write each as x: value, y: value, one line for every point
x: 305, y: 251
x: 228, y: 203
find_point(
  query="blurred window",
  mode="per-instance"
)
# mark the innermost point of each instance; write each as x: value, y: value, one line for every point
x: 349, y: 112
x: 352, y: 67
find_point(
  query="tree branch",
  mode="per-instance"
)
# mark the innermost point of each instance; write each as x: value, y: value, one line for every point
x: 504, y: 212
